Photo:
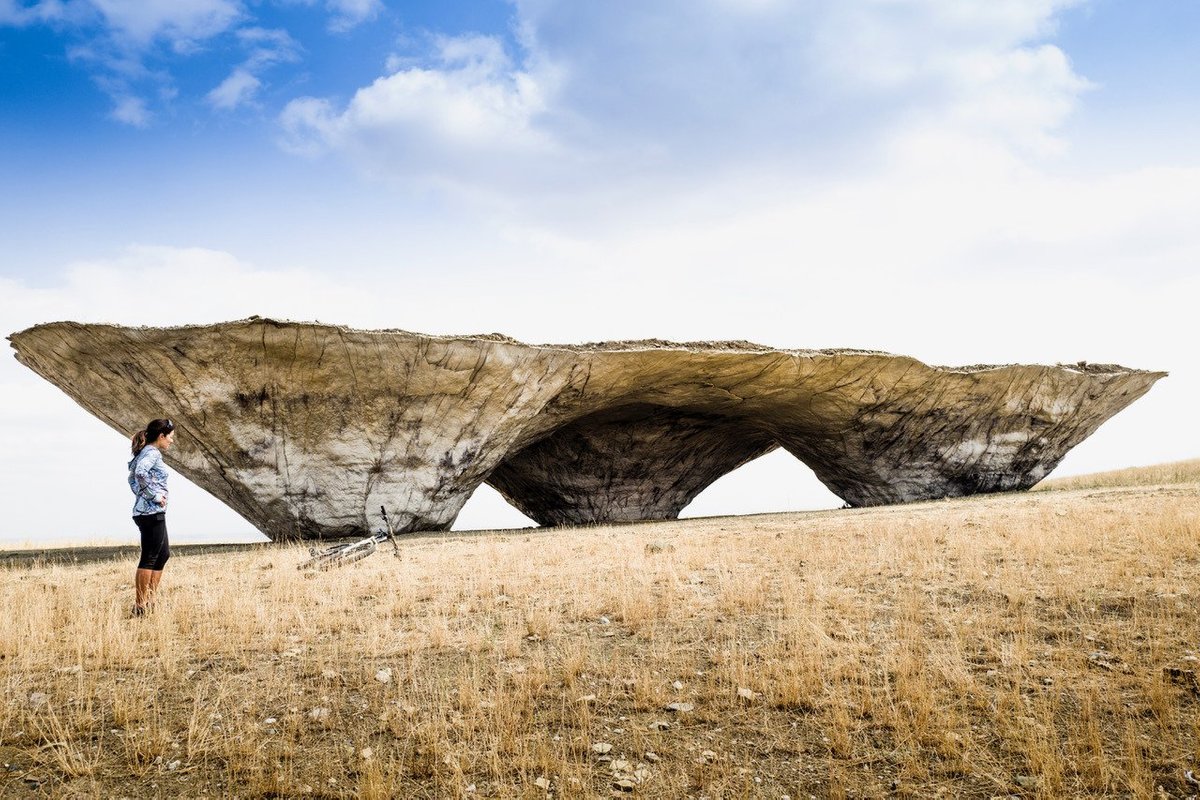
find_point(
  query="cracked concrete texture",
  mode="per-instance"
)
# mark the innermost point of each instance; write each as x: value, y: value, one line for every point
x: 306, y: 429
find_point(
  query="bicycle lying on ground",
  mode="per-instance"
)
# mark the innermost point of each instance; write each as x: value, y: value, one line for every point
x: 341, y: 554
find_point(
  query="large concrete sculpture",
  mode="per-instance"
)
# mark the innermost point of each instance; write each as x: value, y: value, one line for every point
x: 306, y: 429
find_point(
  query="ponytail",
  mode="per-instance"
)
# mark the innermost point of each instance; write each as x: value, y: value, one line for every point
x: 156, y: 428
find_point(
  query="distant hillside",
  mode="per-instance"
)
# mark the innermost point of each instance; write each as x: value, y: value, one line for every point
x: 1155, y: 475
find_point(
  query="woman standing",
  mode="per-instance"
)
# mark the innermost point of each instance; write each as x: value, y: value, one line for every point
x: 148, y: 480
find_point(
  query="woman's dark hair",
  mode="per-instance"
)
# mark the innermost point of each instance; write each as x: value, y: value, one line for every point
x: 156, y: 428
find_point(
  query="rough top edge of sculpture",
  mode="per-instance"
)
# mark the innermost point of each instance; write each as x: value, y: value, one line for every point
x: 638, y: 345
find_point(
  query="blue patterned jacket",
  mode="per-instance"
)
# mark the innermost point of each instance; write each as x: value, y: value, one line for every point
x: 148, y: 481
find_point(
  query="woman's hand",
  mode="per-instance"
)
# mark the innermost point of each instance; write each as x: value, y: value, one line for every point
x: 161, y: 500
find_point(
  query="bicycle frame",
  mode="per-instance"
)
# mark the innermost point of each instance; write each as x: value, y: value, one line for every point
x: 341, y: 554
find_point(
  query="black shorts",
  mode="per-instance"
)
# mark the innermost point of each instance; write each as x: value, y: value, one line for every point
x: 155, y: 548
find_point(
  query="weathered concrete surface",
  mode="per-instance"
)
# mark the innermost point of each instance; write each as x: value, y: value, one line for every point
x: 306, y: 429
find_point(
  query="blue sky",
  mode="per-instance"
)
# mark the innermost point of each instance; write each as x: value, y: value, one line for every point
x: 67, y: 158
x: 1013, y: 180
x: 1141, y: 56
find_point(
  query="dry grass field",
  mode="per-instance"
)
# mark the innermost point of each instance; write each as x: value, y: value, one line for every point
x: 1042, y: 644
x: 1159, y: 474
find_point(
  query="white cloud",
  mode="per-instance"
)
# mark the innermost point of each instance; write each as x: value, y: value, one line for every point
x: 344, y: 15
x: 236, y: 90
x: 348, y: 14
x: 1009, y: 110
x: 138, y: 22
x: 131, y: 111
x: 474, y: 109
x: 266, y: 49
x: 310, y: 126
x: 195, y: 283
x: 604, y: 105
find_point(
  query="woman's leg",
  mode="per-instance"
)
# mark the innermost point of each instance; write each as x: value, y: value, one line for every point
x: 155, y: 577
x: 142, y: 587
x: 155, y: 552
x: 160, y: 561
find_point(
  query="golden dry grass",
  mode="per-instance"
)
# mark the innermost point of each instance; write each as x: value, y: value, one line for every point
x: 1156, y: 475
x: 1039, y: 644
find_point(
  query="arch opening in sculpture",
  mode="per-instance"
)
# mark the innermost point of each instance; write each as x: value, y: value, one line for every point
x: 487, y: 509
x: 775, y: 481
x: 633, y: 462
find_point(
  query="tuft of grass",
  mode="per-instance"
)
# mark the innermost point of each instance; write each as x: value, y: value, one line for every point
x: 1035, y: 644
